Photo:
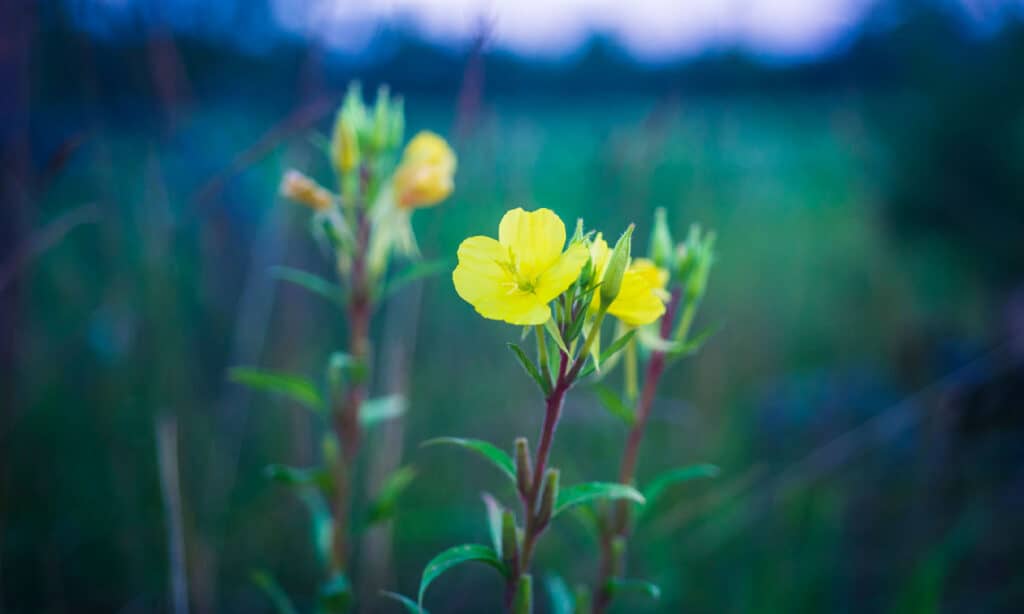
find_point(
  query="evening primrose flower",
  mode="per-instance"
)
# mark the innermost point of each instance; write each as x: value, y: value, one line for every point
x: 424, y: 177
x: 514, y: 278
x: 641, y: 298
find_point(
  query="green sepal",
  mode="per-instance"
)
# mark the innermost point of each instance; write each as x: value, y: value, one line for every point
x: 552, y: 330
x: 496, y: 455
x: 454, y: 556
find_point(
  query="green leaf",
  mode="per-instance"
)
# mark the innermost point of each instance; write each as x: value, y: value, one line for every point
x: 562, y: 601
x: 413, y: 273
x: 697, y: 342
x: 374, y: 411
x: 612, y: 349
x: 383, y: 506
x: 409, y: 604
x: 619, y: 585
x: 293, y: 476
x: 582, y: 493
x: 496, y: 455
x: 311, y: 282
x: 556, y: 335
x: 282, y: 602
x: 320, y: 516
x: 658, y: 485
x: 494, y: 510
x: 454, y: 556
x: 336, y: 594
x: 531, y: 369
x: 294, y: 387
x: 614, y: 404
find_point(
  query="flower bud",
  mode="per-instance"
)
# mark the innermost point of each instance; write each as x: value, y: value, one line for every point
x: 523, y: 471
x: 396, y: 131
x: 618, y: 262
x: 698, y: 281
x: 660, y: 249
x: 424, y: 177
x: 509, y: 541
x: 548, y: 497
x: 301, y: 189
x: 381, y: 119
x: 344, y: 144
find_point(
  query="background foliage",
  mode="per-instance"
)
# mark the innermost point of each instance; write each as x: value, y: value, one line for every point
x: 862, y: 398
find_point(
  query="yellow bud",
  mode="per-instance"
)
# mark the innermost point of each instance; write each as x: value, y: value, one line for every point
x: 300, y: 188
x: 344, y: 145
x: 425, y: 176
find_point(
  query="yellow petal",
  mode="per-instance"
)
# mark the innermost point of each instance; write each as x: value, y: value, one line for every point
x: 429, y: 148
x: 638, y: 302
x: 657, y: 277
x: 482, y: 281
x: 562, y: 273
x: 535, y: 237
x: 599, y: 254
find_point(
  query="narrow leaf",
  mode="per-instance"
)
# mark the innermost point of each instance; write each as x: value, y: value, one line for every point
x: 616, y: 345
x: 374, y: 411
x: 454, y: 556
x: 410, y: 605
x: 552, y: 329
x: 311, y: 282
x: 582, y: 493
x: 618, y: 586
x: 697, y: 342
x: 294, y: 476
x: 413, y: 273
x: 320, y: 515
x: 614, y: 404
x: 383, y: 506
x: 496, y: 455
x: 660, y: 483
x: 531, y: 369
x: 493, y: 520
x: 282, y: 602
x: 294, y: 387
x: 561, y: 598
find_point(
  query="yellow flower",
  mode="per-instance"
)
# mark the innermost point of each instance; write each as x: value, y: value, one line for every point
x: 424, y: 177
x: 641, y: 300
x: 514, y: 278
x: 304, y: 190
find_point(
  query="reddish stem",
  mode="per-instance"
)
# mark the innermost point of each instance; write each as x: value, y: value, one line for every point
x: 617, y: 522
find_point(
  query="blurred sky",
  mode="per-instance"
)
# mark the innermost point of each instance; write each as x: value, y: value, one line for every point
x: 649, y: 30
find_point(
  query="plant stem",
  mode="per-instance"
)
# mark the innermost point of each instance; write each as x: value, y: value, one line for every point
x: 617, y: 522
x: 346, y: 412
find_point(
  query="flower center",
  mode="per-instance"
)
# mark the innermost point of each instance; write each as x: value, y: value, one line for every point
x: 520, y: 282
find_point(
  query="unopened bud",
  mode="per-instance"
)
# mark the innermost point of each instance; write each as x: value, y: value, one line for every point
x: 548, y: 497
x: 704, y: 258
x: 509, y: 541
x: 301, y: 189
x: 381, y: 119
x: 618, y: 262
x: 397, y: 128
x: 523, y: 471
x: 660, y: 249
x: 345, y: 143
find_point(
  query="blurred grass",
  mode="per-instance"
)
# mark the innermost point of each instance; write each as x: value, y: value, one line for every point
x: 139, y: 314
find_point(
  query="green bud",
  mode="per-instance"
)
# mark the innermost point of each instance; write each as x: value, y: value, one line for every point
x: 660, y: 248
x: 523, y: 471
x: 618, y: 262
x: 509, y: 539
x: 382, y: 119
x: 397, y: 130
x: 548, y: 497
x: 703, y: 259
x: 523, y: 601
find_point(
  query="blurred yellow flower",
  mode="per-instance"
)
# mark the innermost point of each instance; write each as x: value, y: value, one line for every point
x: 424, y: 177
x: 641, y: 300
x: 302, y: 189
x: 514, y: 278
